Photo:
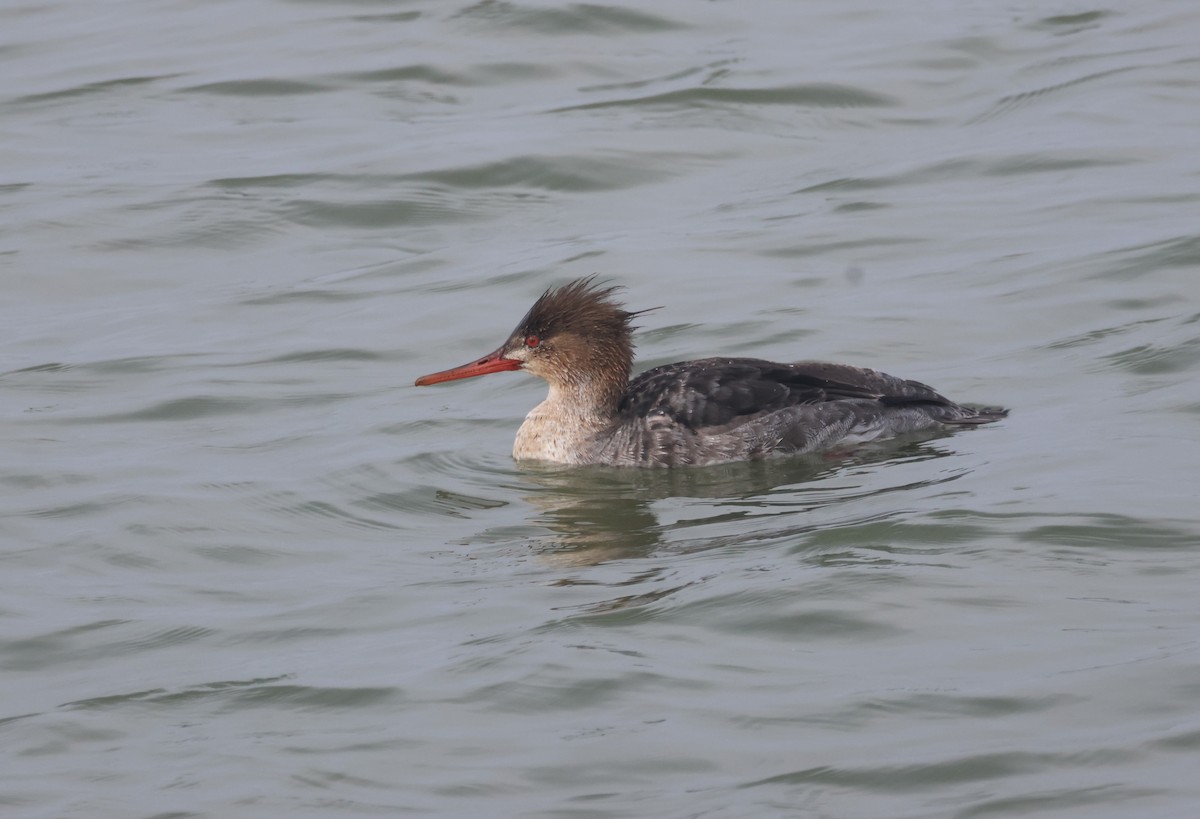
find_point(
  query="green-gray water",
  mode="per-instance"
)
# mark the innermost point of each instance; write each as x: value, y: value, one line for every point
x: 249, y: 571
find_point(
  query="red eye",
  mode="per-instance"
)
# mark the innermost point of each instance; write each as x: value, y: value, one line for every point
x: 532, y: 341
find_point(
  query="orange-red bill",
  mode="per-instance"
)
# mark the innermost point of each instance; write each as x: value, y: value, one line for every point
x: 490, y: 363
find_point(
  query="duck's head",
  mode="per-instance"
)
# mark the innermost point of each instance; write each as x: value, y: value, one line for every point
x: 577, y: 335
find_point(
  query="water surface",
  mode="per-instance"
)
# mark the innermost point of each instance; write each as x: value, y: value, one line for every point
x: 249, y: 571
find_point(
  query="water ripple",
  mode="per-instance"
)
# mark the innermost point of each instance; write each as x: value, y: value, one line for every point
x: 66, y: 647
x: 239, y: 695
x: 813, y: 95
x: 564, y: 173
x: 575, y: 18
x: 980, y: 767
x: 93, y: 88
x: 261, y: 87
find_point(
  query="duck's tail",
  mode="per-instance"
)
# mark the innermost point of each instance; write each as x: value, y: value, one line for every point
x: 974, y: 416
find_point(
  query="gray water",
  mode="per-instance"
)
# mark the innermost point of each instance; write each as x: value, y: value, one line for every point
x: 248, y: 571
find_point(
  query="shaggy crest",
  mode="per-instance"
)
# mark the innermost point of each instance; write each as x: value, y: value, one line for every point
x: 584, y: 307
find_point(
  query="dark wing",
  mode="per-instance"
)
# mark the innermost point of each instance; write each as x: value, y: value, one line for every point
x: 724, y: 392
x: 844, y: 381
x: 899, y: 393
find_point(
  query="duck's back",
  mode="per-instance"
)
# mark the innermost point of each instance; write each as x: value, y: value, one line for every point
x: 726, y: 409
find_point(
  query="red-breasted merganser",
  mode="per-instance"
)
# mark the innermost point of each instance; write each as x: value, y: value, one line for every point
x: 692, y: 413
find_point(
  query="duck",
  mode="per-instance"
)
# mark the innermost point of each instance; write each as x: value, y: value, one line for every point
x: 579, y: 339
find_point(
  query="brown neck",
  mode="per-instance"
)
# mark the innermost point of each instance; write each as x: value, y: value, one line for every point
x: 596, y: 397
x: 596, y: 373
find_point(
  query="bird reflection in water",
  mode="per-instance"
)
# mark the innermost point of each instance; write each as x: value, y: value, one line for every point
x: 598, y: 514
